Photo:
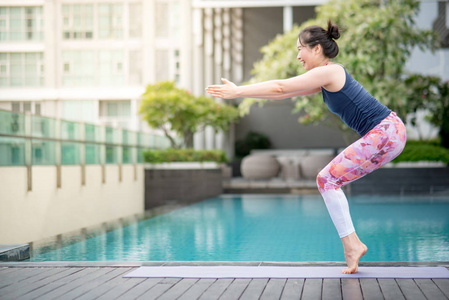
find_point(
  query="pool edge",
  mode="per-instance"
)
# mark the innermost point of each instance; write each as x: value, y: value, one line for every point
x: 116, y: 264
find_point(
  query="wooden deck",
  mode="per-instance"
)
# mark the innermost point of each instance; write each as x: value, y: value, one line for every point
x: 106, y: 282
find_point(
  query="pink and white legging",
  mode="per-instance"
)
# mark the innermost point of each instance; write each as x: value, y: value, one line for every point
x: 378, y: 147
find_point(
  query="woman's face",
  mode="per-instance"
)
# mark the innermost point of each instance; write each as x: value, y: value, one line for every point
x: 305, y: 56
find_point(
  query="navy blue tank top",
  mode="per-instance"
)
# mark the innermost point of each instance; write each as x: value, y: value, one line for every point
x: 355, y: 106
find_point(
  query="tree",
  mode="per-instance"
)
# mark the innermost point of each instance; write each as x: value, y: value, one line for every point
x: 430, y: 93
x: 377, y: 39
x: 179, y: 113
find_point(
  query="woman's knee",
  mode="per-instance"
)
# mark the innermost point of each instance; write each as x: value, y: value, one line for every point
x: 325, y: 181
x: 321, y: 180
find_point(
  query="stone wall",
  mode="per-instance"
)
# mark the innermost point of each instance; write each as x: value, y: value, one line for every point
x: 403, y: 182
x: 170, y: 186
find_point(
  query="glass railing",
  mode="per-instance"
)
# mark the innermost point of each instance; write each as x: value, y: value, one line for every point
x: 35, y: 140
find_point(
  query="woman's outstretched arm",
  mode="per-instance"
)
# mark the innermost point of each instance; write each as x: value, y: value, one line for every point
x: 304, y: 84
x: 290, y: 95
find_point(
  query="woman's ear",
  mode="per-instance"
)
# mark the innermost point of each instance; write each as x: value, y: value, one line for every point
x: 317, y: 49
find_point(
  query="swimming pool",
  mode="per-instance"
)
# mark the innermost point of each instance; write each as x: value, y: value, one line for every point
x: 272, y: 228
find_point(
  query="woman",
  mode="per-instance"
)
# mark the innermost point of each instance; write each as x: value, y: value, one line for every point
x: 382, y: 133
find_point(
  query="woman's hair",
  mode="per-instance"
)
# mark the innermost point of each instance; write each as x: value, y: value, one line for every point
x: 314, y: 35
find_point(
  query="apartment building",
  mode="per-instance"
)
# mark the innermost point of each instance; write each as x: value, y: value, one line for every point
x: 90, y: 60
x: 86, y: 60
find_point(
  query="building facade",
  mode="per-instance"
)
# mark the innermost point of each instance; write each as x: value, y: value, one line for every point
x: 86, y: 60
x: 90, y: 60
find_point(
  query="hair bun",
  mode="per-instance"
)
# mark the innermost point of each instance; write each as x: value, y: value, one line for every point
x: 332, y: 30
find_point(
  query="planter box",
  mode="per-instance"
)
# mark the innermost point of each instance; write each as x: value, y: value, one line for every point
x: 181, y: 183
x: 403, y: 181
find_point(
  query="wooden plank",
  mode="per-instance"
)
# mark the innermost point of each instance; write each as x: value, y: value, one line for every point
x: 72, y: 282
x: 370, y: 289
x: 82, y: 281
x: 59, y: 281
x: 115, y: 278
x: 430, y: 289
x: 410, y: 290
x: 141, y: 288
x: 274, y: 289
x: 216, y: 289
x: 312, y: 289
x: 4, y: 271
x: 198, y: 289
x: 443, y: 284
x: 21, y: 274
x: 159, y: 288
x: 178, y: 289
x: 121, y: 288
x: 105, y: 274
x: 390, y: 289
x: 292, y: 289
x: 236, y: 289
x: 254, y: 290
x: 331, y: 289
x: 350, y: 289
x: 33, y: 283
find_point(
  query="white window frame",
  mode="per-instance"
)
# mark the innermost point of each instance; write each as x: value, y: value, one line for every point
x: 70, y: 28
x: 69, y: 63
x: 39, y: 71
x: 115, y: 24
x: 117, y: 70
x: 33, y: 106
x: 38, y: 29
x: 7, y: 29
x: 138, y: 21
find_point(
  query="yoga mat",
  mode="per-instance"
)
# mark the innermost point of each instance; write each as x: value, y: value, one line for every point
x: 286, y: 272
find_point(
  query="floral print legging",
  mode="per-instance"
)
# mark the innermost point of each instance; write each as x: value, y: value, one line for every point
x: 378, y: 147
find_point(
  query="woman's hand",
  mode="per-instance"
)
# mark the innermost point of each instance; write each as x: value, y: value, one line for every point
x: 228, y: 90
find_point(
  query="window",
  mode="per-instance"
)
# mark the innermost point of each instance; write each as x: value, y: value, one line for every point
x: 168, y: 25
x: 441, y: 24
x: 26, y: 107
x: 80, y: 110
x: 78, y: 21
x: 115, y: 109
x: 21, y: 69
x: 67, y: 68
x: 447, y: 14
x: 93, y: 68
x: 135, y: 67
x: 168, y: 65
x: 78, y: 68
x: 135, y: 20
x: 110, y: 21
x: 177, y: 64
x: 21, y: 23
x: 4, y: 69
x: 162, y: 65
x: 110, y: 68
x: 175, y: 20
x: 162, y: 19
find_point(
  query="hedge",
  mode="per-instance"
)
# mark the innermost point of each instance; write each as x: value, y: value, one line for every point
x: 423, y: 151
x: 184, y: 155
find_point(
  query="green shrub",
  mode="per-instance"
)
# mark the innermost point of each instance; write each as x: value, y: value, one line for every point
x: 184, y: 155
x: 423, y: 151
x: 253, y: 140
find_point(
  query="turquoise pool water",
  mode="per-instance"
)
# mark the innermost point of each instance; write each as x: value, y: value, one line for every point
x: 272, y: 228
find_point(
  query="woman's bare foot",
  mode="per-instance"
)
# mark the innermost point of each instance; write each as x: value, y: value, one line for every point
x: 354, y: 250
